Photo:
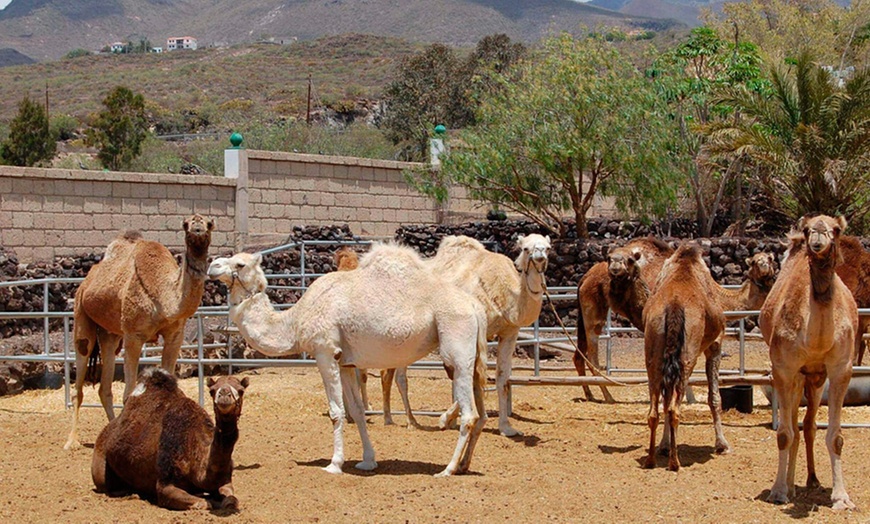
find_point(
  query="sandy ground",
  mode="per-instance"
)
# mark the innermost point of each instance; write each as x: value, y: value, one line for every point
x: 578, y: 461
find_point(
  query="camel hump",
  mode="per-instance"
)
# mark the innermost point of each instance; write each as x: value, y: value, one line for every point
x: 391, y: 259
x: 158, y: 379
x: 653, y: 245
x: 131, y: 235
x: 460, y: 242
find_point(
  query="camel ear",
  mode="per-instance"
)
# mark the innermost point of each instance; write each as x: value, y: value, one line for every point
x: 548, y: 238
x: 210, y: 382
x: 258, y: 258
x: 637, y: 255
x: 245, y: 382
x: 185, y: 224
x: 748, y: 261
x: 841, y: 223
x: 210, y: 224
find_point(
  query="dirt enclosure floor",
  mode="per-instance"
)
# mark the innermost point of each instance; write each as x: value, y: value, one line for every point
x: 579, y: 461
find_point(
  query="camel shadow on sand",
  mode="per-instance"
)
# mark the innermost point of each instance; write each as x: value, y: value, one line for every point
x: 387, y: 467
x: 805, y: 503
x: 689, y: 456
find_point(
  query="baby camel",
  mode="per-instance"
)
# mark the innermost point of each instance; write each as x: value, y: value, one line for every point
x: 164, y: 446
x: 387, y: 314
x: 809, y: 321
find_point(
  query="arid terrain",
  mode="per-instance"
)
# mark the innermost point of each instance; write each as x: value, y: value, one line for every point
x: 578, y: 461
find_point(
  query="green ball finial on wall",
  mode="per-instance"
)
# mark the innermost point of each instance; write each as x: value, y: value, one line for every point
x: 236, y: 140
x: 440, y: 129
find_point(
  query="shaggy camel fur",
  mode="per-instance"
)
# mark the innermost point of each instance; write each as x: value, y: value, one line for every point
x: 369, y: 318
x: 134, y: 294
x: 511, y: 299
x: 164, y: 446
x: 346, y: 259
x: 809, y: 320
x: 855, y: 274
x: 684, y: 318
x: 622, y: 284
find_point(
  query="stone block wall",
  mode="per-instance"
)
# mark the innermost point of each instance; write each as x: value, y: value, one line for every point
x: 49, y: 213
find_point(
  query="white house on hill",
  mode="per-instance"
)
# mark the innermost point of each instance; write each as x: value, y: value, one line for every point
x: 175, y: 43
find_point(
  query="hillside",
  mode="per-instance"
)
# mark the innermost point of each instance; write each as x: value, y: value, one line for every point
x: 48, y: 29
x: 243, y: 78
x: 11, y: 57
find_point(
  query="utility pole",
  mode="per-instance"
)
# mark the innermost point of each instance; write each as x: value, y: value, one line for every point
x: 308, y: 111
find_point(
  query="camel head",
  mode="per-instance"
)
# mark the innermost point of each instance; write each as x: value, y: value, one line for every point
x: 622, y: 263
x: 240, y: 272
x: 227, y: 393
x: 197, y: 233
x: 821, y: 233
x: 762, y: 269
x: 534, y: 251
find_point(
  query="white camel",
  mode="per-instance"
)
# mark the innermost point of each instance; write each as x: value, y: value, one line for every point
x: 387, y: 314
x: 512, y: 297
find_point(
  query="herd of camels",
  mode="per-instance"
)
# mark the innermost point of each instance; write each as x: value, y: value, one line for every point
x: 166, y: 446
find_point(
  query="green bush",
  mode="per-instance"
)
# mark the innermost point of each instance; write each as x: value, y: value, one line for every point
x: 64, y: 127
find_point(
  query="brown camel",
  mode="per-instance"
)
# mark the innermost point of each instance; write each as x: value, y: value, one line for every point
x: 165, y: 446
x: 684, y: 318
x: 346, y: 259
x: 855, y: 274
x: 809, y: 320
x: 134, y: 294
x: 622, y: 283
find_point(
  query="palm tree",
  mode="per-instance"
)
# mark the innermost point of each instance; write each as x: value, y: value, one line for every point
x: 808, y: 139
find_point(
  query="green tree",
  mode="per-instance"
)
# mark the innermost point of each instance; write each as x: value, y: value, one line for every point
x: 686, y: 77
x: 809, y: 140
x: 437, y: 87
x: 119, y: 130
x: 578, y: 121
x: 30, y: 140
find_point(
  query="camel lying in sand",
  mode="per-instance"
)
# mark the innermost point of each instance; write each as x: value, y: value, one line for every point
x: 134, y: 294
x: 387, y: 314
x: 809, y: 320
x: 164, y: 446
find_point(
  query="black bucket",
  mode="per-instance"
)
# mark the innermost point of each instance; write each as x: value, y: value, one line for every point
x: 738, y: 397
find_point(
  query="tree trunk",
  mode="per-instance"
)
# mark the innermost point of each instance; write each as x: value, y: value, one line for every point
x: 580, y: 219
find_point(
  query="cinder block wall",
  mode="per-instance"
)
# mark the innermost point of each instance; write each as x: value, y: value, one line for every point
x: 45, y: 213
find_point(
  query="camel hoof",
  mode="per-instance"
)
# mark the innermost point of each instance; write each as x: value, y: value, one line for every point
x: 366, y: 465
x: 724, y: 450
x: 813, y: 482
x: 332, y: 468
x: 230, y: 502
x: 389, y: 422
x: 841, y: 504
x: 445, y: 473
x: 777, y: 497
x: 650, y: 462
x: 673, y: 466
x: 508, y: 431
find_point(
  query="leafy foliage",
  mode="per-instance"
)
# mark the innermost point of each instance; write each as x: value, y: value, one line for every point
x: 809, y: 140
x: 577, y: 122
x: 119, y: 130
x: 436, y: 87
x: 30, y: 140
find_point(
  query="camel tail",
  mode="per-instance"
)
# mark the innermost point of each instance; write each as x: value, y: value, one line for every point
x: 93, y: 371
x: 480, y: 363
x: 672, y: 364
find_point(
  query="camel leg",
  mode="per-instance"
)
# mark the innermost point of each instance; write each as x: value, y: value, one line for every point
x: 591, y: 325
x: 839, y: 383
x: 787, y: 385
x: 447, y: 418
x: 357, y: 413
x: 72, y: 442
x: 796, y: 443
x: 228, y: 497
x: 402, y: 382
x: 109, y: 343
x: 171, y: 496
x: 329, y: 372
x: 672, y: 415
x: 653, y: 422
x: 593, y: 357
x: 172, y: 340
x: 714, y: 400
x: 362, y: 376
x: 387, y: 388
x: 132, y: 352
x: 814, y: 398
x: 506, y: 346
x: 480, y: 412
x: 463, y: 393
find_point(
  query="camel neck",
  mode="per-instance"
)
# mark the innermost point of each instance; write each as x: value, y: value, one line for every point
x: 630, y: 291
x: 257, y: 320
x: 220, y: 456
x: 749, y: 296
x: 822, y: 272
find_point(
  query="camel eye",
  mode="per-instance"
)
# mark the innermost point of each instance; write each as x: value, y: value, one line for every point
x: 239, y: 265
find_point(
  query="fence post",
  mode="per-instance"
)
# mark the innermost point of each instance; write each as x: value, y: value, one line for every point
x: 46, y: 341
x: 66, y: 390
x: 200, y: 352
x: 236, y: 166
